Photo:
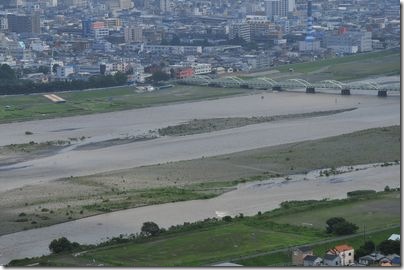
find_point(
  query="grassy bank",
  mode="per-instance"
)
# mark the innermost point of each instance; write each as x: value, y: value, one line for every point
x: 77, y: 197
x: 30, y: 107
x: 351, y: 63
x: 206, y: 243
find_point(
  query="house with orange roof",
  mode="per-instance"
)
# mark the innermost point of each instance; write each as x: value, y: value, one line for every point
x: 345, y: 252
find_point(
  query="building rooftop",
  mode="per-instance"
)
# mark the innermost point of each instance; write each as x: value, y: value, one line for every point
x: 310, y: 258
x: 342, y: 248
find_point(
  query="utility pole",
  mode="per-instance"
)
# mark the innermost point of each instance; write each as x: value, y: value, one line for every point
x: 364, y: 233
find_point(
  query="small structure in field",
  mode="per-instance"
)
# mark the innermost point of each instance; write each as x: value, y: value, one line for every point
x: 54, y: 98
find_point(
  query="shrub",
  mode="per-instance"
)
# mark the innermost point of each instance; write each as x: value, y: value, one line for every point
x: 227, y: 218
x: 150, y: 228
x: 340, y: 226
x: 360, y: 192
x: 62, y: 245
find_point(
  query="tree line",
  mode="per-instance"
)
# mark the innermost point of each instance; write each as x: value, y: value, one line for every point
x: 11, y: 85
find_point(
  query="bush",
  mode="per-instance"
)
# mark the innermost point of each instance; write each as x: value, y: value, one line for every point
x: 62, y: 245
x: 227, y: 218
x: 361, y: 192
x: 340, y: 226
x: 150, y: 228
x: 345, y: 228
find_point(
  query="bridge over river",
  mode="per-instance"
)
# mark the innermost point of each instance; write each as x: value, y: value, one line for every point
x: 290, y: 84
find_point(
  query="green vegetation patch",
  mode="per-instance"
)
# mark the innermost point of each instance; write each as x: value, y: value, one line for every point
x: 381, y: 212
x: 285, y: 258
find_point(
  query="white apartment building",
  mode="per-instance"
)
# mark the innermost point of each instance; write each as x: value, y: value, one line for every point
x: 133, y: 34
x: 102, y: 32
x: 200, y: 68
x: 64, y: 72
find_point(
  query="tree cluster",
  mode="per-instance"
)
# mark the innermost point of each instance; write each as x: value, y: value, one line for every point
x: 16, y: 86
x: 150, y: 228
x: 340, y: 226
x: 62, y: 245
x: 387, y: 247
x: 367, y: 248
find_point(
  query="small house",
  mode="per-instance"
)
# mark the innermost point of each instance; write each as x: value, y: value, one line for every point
x: 367, y: 260
x: 311, y: 260
x: 394, y: 237
x: 299, y: 254
x: 331, y: 260
x: 345, y: 252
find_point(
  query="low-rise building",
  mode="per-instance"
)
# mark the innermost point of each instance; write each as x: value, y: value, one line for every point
x: 331, y: 260
x: 299, y: 254
x: 310, y: 260
x: 345, y: 252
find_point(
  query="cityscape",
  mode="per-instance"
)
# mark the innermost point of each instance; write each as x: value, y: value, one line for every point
x: 199, y: 133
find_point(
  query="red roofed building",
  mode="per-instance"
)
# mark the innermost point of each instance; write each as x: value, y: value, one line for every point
x: 345, y: 252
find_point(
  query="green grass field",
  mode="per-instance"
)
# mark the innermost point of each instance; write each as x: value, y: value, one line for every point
x: 352, y: 63
x: 347, y: 68
x: 29, y: 107
x: 374, y: 214
x: 284, y: 258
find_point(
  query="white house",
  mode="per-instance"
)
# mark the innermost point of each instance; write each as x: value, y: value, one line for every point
x: 345, y: 252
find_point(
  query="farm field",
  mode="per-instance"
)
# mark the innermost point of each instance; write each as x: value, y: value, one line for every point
x: 35, y: 106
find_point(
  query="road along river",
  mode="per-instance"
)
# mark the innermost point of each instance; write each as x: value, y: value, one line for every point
x: 371, y: 112
x: 248, y: 198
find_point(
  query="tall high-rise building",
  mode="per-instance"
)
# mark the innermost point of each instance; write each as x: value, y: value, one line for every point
x: 278, y: 8
x: 24, y: 23
x: 133, y: 34
x: 3, y: 23
x: 291, y: 5
x: 165, y: 6
x: 125, y: 4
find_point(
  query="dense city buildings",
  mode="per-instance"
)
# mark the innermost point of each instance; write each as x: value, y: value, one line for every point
x: 226, y: 35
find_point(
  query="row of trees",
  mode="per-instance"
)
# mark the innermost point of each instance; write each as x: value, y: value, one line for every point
x: 16, y: 86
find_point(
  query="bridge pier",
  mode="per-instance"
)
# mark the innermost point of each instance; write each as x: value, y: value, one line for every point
x: 276, y: 88
x: 310, y: 90
x: 382, y: 93
x: 345, y: 92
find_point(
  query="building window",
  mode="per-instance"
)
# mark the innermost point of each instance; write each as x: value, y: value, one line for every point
x: 349, y: 254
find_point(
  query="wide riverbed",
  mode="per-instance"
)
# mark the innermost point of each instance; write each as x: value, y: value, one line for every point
x: 248, y: 199
x: 371, y: 112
